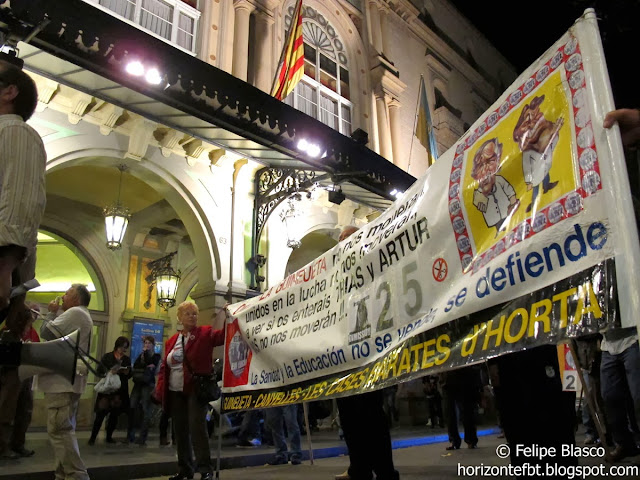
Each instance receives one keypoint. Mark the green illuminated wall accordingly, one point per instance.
(58, 265)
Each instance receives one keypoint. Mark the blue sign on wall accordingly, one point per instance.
(142, 329)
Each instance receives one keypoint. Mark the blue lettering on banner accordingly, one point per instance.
(518, 269)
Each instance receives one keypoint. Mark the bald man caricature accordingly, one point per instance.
(494, 197)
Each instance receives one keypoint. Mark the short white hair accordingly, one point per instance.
(186, 304)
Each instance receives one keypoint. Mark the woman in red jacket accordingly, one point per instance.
(188, 351)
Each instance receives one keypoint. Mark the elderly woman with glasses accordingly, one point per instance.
(188, 352)
(113, 404)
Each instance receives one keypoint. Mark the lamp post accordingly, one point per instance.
(116, 219)
(165, 279)
(289, 217)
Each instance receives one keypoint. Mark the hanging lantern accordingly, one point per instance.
(290, 217)
(116, 219)
(167, 280)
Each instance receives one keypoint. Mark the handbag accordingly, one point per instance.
(144, 375)
(205, 386)
(139, 376)
(109, 384)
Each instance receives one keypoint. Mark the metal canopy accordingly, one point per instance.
(87, 49)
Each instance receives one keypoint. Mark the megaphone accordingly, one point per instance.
(56, 356)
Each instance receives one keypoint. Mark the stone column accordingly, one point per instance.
(387, 87)
(264, 61)
(239, 206)
(396, 134)
(385, 34)
(375, 31)
(243, 11)
(210, 298)
(384, 135)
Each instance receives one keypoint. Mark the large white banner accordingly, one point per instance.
(506, 242)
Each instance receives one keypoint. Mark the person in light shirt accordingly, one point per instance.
(22, 180)
(61, 397)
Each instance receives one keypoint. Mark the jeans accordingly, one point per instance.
(619, 377)
(250, 427)
(61, 427)
(434, 407)
(587, 420)
(389, 405)
(140, 395)
(277, 417)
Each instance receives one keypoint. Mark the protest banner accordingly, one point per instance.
(516, 237)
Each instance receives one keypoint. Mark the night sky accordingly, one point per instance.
(524, 31)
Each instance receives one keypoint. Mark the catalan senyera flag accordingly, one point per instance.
(424, 127)
(292, 64)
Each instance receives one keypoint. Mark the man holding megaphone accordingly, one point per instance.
(60, 394)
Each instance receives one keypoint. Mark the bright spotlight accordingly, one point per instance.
(313, 150)
(135, 68)
(153, 76)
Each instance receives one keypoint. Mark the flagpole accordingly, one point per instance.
(284, 49)
(415, 121)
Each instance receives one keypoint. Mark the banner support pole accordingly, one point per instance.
(596, 414)
(224, 325)
(305, 410)
(219, 441)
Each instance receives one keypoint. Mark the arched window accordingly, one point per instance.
(61, 264)
(324, 92)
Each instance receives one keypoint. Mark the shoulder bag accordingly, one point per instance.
(205, 386)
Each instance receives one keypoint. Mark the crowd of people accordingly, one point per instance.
(525, 381)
